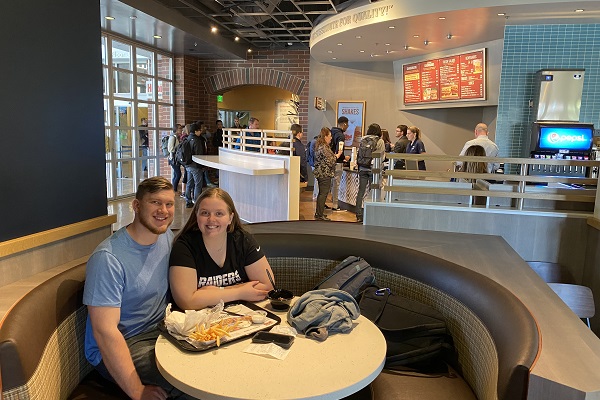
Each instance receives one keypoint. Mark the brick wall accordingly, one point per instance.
(199, 81)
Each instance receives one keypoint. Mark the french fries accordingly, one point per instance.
(215, 332)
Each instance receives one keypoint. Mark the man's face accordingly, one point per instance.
(299, 135)
(344, 126)
(219, 125)
(236, 121)
(155, 210)
(398, 132)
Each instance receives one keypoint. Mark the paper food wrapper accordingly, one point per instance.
(181, 325)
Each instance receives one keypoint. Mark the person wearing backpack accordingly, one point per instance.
(369, 144)
(194, 145)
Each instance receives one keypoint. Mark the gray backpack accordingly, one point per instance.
(352, 275)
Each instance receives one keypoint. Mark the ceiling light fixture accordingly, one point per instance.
(388, 51)
(415, 36)
(157, 37)
(339, 44)
(195, 44)
(361, 51)
(426, 42)
(449, 36)
(213, 29)
(501, 14)
(391, 27)
(333, 58)
(329, 51)
(237, 39)
(441, 18)
(580, 10)
(133, 17)
(108, 17)
(405, 47)
(249, 50)
(387, 44)
(359, 37)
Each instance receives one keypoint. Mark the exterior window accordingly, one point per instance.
(138, 111)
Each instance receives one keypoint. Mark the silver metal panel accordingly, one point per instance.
(560, 97)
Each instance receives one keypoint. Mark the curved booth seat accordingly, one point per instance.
(42, 336)
(495, 335)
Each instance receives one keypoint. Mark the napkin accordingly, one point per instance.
(180, 325)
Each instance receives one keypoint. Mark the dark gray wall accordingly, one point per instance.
(51, 115)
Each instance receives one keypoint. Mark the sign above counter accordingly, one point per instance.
(454, 78)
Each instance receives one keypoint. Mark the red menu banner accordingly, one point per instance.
(458, 77)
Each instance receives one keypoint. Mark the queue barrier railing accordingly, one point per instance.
(265, 141)
(518, 187)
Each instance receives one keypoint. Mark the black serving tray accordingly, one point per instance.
(183, 345)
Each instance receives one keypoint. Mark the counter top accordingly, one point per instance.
(242, 165)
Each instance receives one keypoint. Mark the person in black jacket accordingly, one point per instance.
(195, 171)
(338, 137)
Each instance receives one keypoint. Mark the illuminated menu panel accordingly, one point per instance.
(453, 78)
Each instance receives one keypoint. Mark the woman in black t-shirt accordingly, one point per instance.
(214, 258)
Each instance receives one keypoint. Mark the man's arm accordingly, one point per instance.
(116, 356)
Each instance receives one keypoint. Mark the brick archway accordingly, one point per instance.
(226, 80)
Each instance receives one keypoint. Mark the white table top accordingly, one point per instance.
(242, 165)
(341, 365)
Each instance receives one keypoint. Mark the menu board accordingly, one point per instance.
(453, 78)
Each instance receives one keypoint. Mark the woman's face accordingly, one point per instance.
(213, 216)
(410, 135)
(328, 138)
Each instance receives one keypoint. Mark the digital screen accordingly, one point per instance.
(573, 138)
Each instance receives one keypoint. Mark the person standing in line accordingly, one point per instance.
(195, 173)
(184, 135)
(310, 160)
(400, 145)
(365, 175)
(482, 139)
(217, 139)
(415, 145)
(172, 144)
(325, 161)
(300, 150)
(253, 123)
(123, 310)
(205, 169)
(337, 147)
(144, 143)
(385, 136)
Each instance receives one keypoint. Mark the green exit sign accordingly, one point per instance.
(219, 98)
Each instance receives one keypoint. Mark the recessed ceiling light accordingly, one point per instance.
(108, 17)
(415, 36)
(391, 27)
(237, 39)
(362, 51)
(441, 18)
(359, 37)
(449, 36)
(388, 51)
(333, 58)
(501, 14)
(329, 51)
(580, 10)
(157, 37)
(406, 47)
(249, 50)
(387, 44)
(339, 44)
(213, 29)
(426, 42)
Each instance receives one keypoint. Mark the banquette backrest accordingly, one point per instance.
(495, 335)
(41, 340)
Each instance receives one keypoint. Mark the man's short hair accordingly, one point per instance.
(403, 128)
(194, 127)
(252, 119)
(217, 121)
(342, 120)
(152, 185)
(296, 128)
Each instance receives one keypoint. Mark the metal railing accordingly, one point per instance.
(263, 141)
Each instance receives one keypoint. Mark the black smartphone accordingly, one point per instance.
(284, 341)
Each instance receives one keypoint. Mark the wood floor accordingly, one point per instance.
(122, 208)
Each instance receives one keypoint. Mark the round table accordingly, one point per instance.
(337, 367)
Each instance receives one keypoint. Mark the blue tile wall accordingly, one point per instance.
(529, 48)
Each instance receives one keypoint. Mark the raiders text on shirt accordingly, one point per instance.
(228, 279)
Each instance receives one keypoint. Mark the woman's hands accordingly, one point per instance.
(251, 291)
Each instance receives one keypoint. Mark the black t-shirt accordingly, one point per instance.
(242, 250)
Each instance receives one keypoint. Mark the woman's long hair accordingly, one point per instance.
(322, 135)
(192, 222)
(474, 166)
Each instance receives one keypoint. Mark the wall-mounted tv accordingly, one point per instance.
(573, 137)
